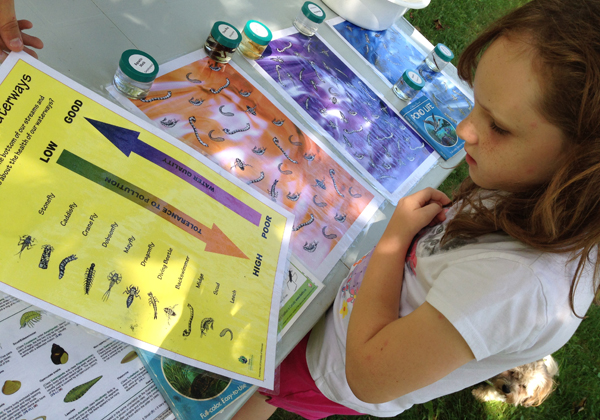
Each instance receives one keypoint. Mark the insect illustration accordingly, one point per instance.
(45, 256)
(113, 278)
(332, 125)
(215, 67)
(152, 300)
(90, 273)
(276, 141)
(306, 103)
(277, 59)
(131, 292)
(170, 311)
(187, 76)
(169, 123)
(293, 197)
(225, 331)
(162, 98)
(259, 150)
(357, 195)
(63, 265)
(292, 280)
(277, 122)
(221, 88)
(343, 117)
(80, 390)
(295, 143)
(332, 175)
(30, 318)
(314, 85)
(353, 131)
(192, 120)
(272, 192)
(359, 156)
(314, 66)
(284, 48)
(277, 68)
(340, 217)
(309, 156)
(260, 178)
(285, 172)
(312, 247)
(251, 110)
(301, 225)
(26, 242)
(320, 184)
(348, 141)
(188, 331)
(240, 164)
(205, 325)
(328, 236)
(318, 204)
(217, 139)
(228, 131)
(227, 114)
(245, 93)
(300, 75)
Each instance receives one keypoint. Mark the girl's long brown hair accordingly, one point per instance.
(562, 215)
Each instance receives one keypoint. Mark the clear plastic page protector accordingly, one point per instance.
(347, 111)
(219, 111)
(109, 222)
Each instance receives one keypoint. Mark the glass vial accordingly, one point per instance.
(408, 85)
(135, 74)
(222, 42)
(435, 61)
(255, 38)
(308, 20)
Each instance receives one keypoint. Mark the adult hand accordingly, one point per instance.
(11, 36)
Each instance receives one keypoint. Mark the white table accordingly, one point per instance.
(84, 40)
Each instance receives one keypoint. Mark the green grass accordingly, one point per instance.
(578, 393)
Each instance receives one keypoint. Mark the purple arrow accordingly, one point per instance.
(127, 142)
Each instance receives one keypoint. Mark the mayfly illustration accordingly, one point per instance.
(245, 93)
(240, 164)
(196, 102)
(276, 141)
(63, 265)
(113, 278)
(169, 123)
(221, 88)
(152, 300)
(162, 98)
(259, 150)
(301, 225)
(239, 130)
(26, 242)
(340, 217)
(192, 120)
(293, 197)
(90, 273)
(320, 184)
(205, 325)
(272, 191)
(45, 256)
(260, 178)
(309, 156)
(188, 331)
(170, 311)
(332, 175)
(251, 110)
(312, 247)
(131, 292)
(277, 122)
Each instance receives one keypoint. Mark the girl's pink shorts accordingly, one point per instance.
(298, 393)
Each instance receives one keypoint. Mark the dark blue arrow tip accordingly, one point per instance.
(124, 139)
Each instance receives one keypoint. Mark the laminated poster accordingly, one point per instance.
(348, 111)
(219, 111)
(111, 223)
(78, 375)
(391, 52)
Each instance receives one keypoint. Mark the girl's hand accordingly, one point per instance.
(416, 211)
(12, 37)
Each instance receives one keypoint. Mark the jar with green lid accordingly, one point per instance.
(408, 85)
(255, 38)
(135, 74)
(308, 20)
(222, 42)
(435, 62)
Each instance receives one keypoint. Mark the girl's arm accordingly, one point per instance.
(387, 356)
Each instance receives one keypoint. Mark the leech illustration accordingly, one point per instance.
(30, 318)
(251, 110)
(26, 242)
(332, 124)
(348, 141)
(245, 93)
(187, 76)
(188, 331)
(359, 156)
(312, 247)
(284, 48)
(353, 131)
(113, 278)
(312, 82)
(333, 92)
(309, 156)
(295, 143)
(272, 192)
(217, 139)
(420, 146)
(131, 292)
(306, 103)
(152, 301)
(369, 139)
(278, 123)
(318, 204)
(192, 120)
(45, 259)
(276, 141)
(169, 123)
(227, 114)
(386, 152)
(301, 225)
(326, 66)
(340, 218)
(320, 184)
(225, 331)
(230, 132)
(63, 265)
(314, 66)
(387, 137)
(259, 150)
(205, 325)
(289, 75)
(90, 273)
(161, 98)
(293, 197)
(240, 164)
(170, 311)
(277, 68)
(300, 75)
(286, 172)
(343, 117)
(332, 175)
(221, 88)
(196, 102)
(260, 178)
(357, 195)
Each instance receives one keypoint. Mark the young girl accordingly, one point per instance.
(450, 299)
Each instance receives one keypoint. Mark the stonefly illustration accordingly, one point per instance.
(26, 242)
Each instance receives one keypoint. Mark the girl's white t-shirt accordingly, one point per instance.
(509, 302)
